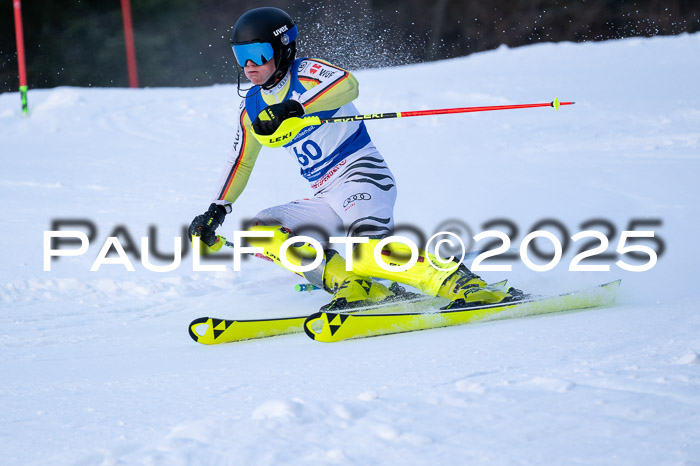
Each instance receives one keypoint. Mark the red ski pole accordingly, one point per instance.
(291, 126)
(443, 111)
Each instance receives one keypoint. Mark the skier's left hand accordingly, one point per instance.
(272, 117)
(205, 225)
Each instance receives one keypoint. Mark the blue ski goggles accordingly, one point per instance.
(260, 52)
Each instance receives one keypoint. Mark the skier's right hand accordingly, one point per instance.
(272, 117)
(205, 225)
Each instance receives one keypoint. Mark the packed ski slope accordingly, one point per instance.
(98, 367)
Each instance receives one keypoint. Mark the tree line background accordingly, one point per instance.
(186, 42)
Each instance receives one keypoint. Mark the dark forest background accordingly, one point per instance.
(186, 42)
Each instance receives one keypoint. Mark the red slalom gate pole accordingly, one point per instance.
(19, 36)
(129, 41)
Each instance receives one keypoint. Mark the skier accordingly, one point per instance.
(354, 190)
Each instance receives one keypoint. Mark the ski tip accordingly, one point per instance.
(611, 284)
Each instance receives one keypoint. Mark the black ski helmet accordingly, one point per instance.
(264, 33)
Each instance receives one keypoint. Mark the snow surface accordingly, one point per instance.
(98, 367)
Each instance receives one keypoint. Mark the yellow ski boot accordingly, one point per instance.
(349, 289)
(464, 288)
(460, 285)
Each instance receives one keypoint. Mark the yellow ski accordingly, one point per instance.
(332, 326)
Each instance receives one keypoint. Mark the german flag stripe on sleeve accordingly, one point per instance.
(328, 89)
(241, 154)
(309, 80)
(323, 76)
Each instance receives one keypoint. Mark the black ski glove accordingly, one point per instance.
(205, 225)
(272, 117)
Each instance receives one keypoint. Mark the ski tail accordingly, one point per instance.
(211, 331)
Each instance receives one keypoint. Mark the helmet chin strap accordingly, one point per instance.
(238, 88)
(276, 76)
